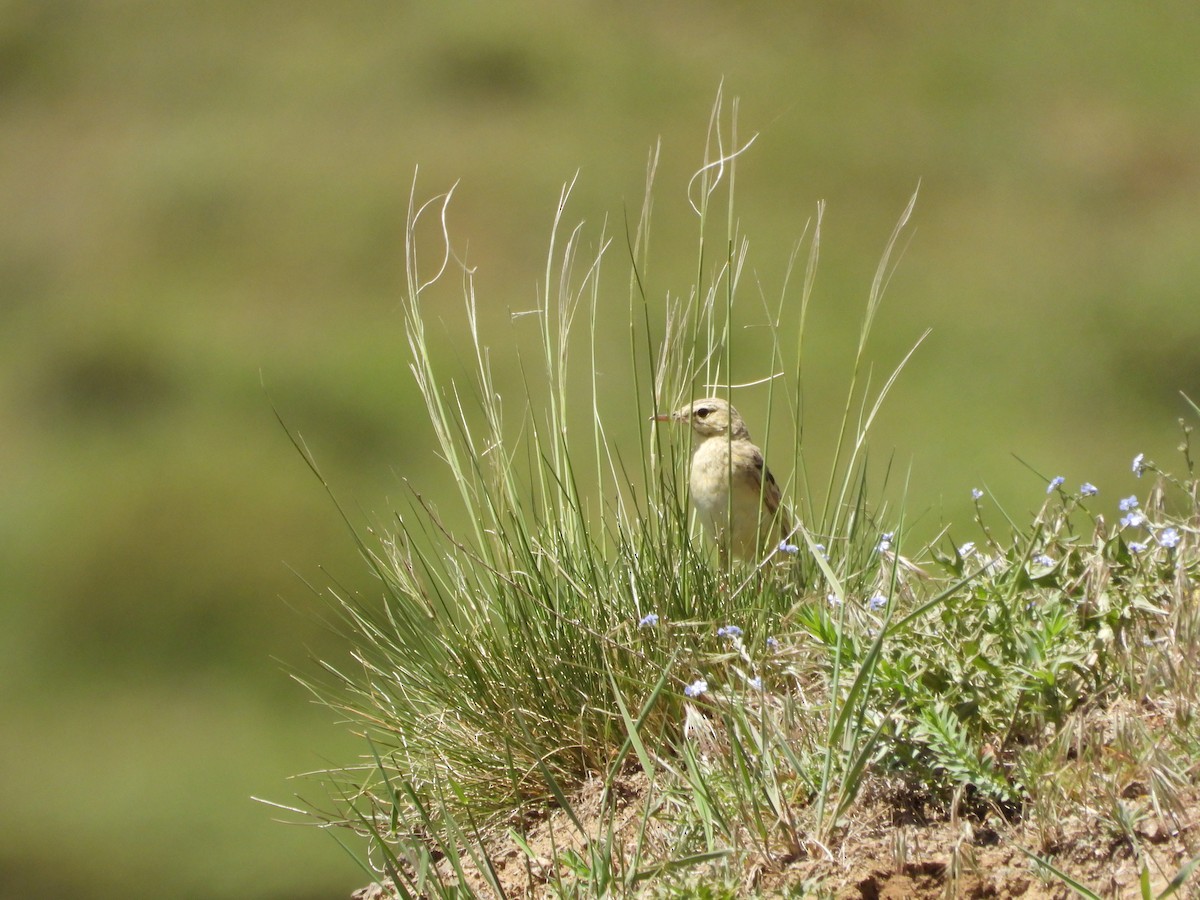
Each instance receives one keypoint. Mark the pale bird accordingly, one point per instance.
(732, 489)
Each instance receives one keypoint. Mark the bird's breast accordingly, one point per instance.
(709, 479)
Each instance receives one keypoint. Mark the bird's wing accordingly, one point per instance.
(773, 501)
(772, 495)
(748, 464)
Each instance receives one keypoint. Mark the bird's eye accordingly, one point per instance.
(702, 412)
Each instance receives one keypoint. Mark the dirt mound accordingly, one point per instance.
(885, 854)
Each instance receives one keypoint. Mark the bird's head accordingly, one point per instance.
(710, 417)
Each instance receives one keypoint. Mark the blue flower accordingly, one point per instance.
(1133, 520)
(885, 542)
(1043, 560)
(1139, 465)
(785, 547)
(877, 602)
(1055, 482)
(1168, 537)
(772, 644)
(696, 688)
(648, 621)
(1128, 503)
(976, 494)
(833, 599)
(1088, 489)
(729, 631)
(1136, 546)
(756, 683)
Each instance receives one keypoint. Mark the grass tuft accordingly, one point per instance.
(564, 691)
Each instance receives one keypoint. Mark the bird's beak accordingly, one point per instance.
(661, 417)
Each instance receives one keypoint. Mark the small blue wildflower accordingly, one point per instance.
(1055, 482)
(1136, 546)
(1128, 503)
(1133, 520)
(833, 600)
(1139, 464)
(966, 549)
(1168, 537)
(785, 547)
(885, 542)
(729, 631)
(772, 644)
(1087, 489)
(877, 602)
(756, 683)
(1043, 560)
(648, 621)
(696, 688)
(820, 548)
(976, 494)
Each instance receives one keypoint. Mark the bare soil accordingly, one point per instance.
(887, 853)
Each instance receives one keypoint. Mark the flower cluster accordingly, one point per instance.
(1167, 537)
(1133, 516)
(733, 633)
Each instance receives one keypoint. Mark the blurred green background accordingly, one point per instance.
(205, 197)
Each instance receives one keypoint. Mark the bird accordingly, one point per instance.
(735, 494)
